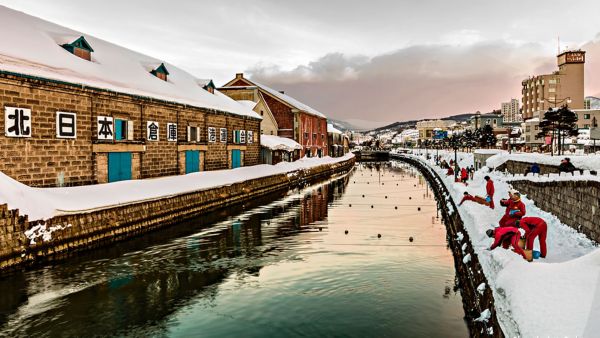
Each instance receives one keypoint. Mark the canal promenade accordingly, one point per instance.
(44, 223)
(555, 296)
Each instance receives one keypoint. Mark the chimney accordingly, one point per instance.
(239, 75)
(282, 92)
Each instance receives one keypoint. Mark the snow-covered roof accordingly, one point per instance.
(283, 97)
(279, 143)
(332, 129)
(248, 103)
(32, 46)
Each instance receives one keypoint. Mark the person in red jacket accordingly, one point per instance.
(450, 171)
(515, 209)
(534, 227)
(464, 175)
(506, 236)
(489, 190)
(469, 197)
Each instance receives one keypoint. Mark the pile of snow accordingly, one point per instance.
(279, 143)
(490, 151)
(589, 162)
(557, 296)
(44, 203)
(32, 46)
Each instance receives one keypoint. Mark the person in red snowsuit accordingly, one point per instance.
(534, 227)
(506, 236)
(476, 199)
(464, 175)
(515, 209)
(489, 190)
(450, 171)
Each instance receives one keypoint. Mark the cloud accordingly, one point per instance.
(419, 81)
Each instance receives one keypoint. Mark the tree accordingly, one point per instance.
(561, 123)
(487, 137)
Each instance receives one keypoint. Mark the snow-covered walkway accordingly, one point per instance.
(44, 203)
(558, 296)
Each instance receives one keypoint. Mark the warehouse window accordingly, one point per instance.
(160, 72)
(80, 48)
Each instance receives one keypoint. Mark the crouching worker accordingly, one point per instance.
(534, 227)
(515, 209)
(506, 236)
(476, 199)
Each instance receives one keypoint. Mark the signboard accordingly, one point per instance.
(152, 130)
(595, 133)
(440, 134)
(172, 132)
(105, 128)
(17, 122)
(66, 125)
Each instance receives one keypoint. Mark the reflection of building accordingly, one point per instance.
(564, 86)
(314, 206)
(510, 111)
(426, 128)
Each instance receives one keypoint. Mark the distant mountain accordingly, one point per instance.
(412, 123)
(343, 125)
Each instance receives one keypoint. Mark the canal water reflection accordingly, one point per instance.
(281, 266)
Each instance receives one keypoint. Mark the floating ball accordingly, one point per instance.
(396, 208)
(419, 209)
(378, 235)
(410, 239)
(346, 232)
(350, 205)
(363, 196)
(371, 207)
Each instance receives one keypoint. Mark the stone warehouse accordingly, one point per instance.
(79, 110)
(291, 118)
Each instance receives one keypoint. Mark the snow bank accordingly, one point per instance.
(557, 296)
(279, 143)
(44, 203)
(32, 46)
(490, 151)
(590, 161)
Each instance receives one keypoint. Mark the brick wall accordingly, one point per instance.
(45, 160)
(575, 203)
(89, 230)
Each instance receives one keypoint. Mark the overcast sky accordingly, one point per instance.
(366, 62)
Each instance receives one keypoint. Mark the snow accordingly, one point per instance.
(32, 46)
(42, 231)
(590, 161)
(44, 203)
(484, 316)
(248, 103)
(557, 296)
(490, 151)
(279, 143)
(481, 288)
(332, 129)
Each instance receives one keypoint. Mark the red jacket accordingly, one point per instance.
(464, 173)
(506, 236)
(515, 205)
(530, 223)
(489, 188)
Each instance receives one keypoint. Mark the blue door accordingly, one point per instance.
(119, 167)
(192, 161)
(236, 158)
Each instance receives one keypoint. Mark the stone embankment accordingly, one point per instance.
(468, 268)
(24, 242)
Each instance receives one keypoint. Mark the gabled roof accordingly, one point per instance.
(32, 47)
(80, 42)
(161, 69)
(280, 96)
(332, 129)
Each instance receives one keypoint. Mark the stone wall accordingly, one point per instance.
(101, 227)
(469, 274)
(518, 167)
(575, 203)
(44, 160)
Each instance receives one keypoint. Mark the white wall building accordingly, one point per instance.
(510, 111)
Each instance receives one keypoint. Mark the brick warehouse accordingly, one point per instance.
(79, 110)
(295, 120)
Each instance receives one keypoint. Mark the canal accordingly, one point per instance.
(334, 259)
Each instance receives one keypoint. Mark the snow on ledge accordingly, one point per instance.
(44, 203)
(279, 143)
(589, 162)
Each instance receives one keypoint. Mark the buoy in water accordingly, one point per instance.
(410, 239)
(396, 208)
(371, 207)
(378, 235)
(419, 209)
(350, 205)
(410, 198)
(346, 232)
(385, 196)
(363, 196)
(320, 229)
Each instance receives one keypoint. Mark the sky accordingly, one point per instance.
(365, 62)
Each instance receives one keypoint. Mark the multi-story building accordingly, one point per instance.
(294, 119)
(510, 111)
(587, 118)
(426, 128)
(591, 102)
(564, 86)
(80, 110)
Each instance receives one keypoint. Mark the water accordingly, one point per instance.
(279, 267)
